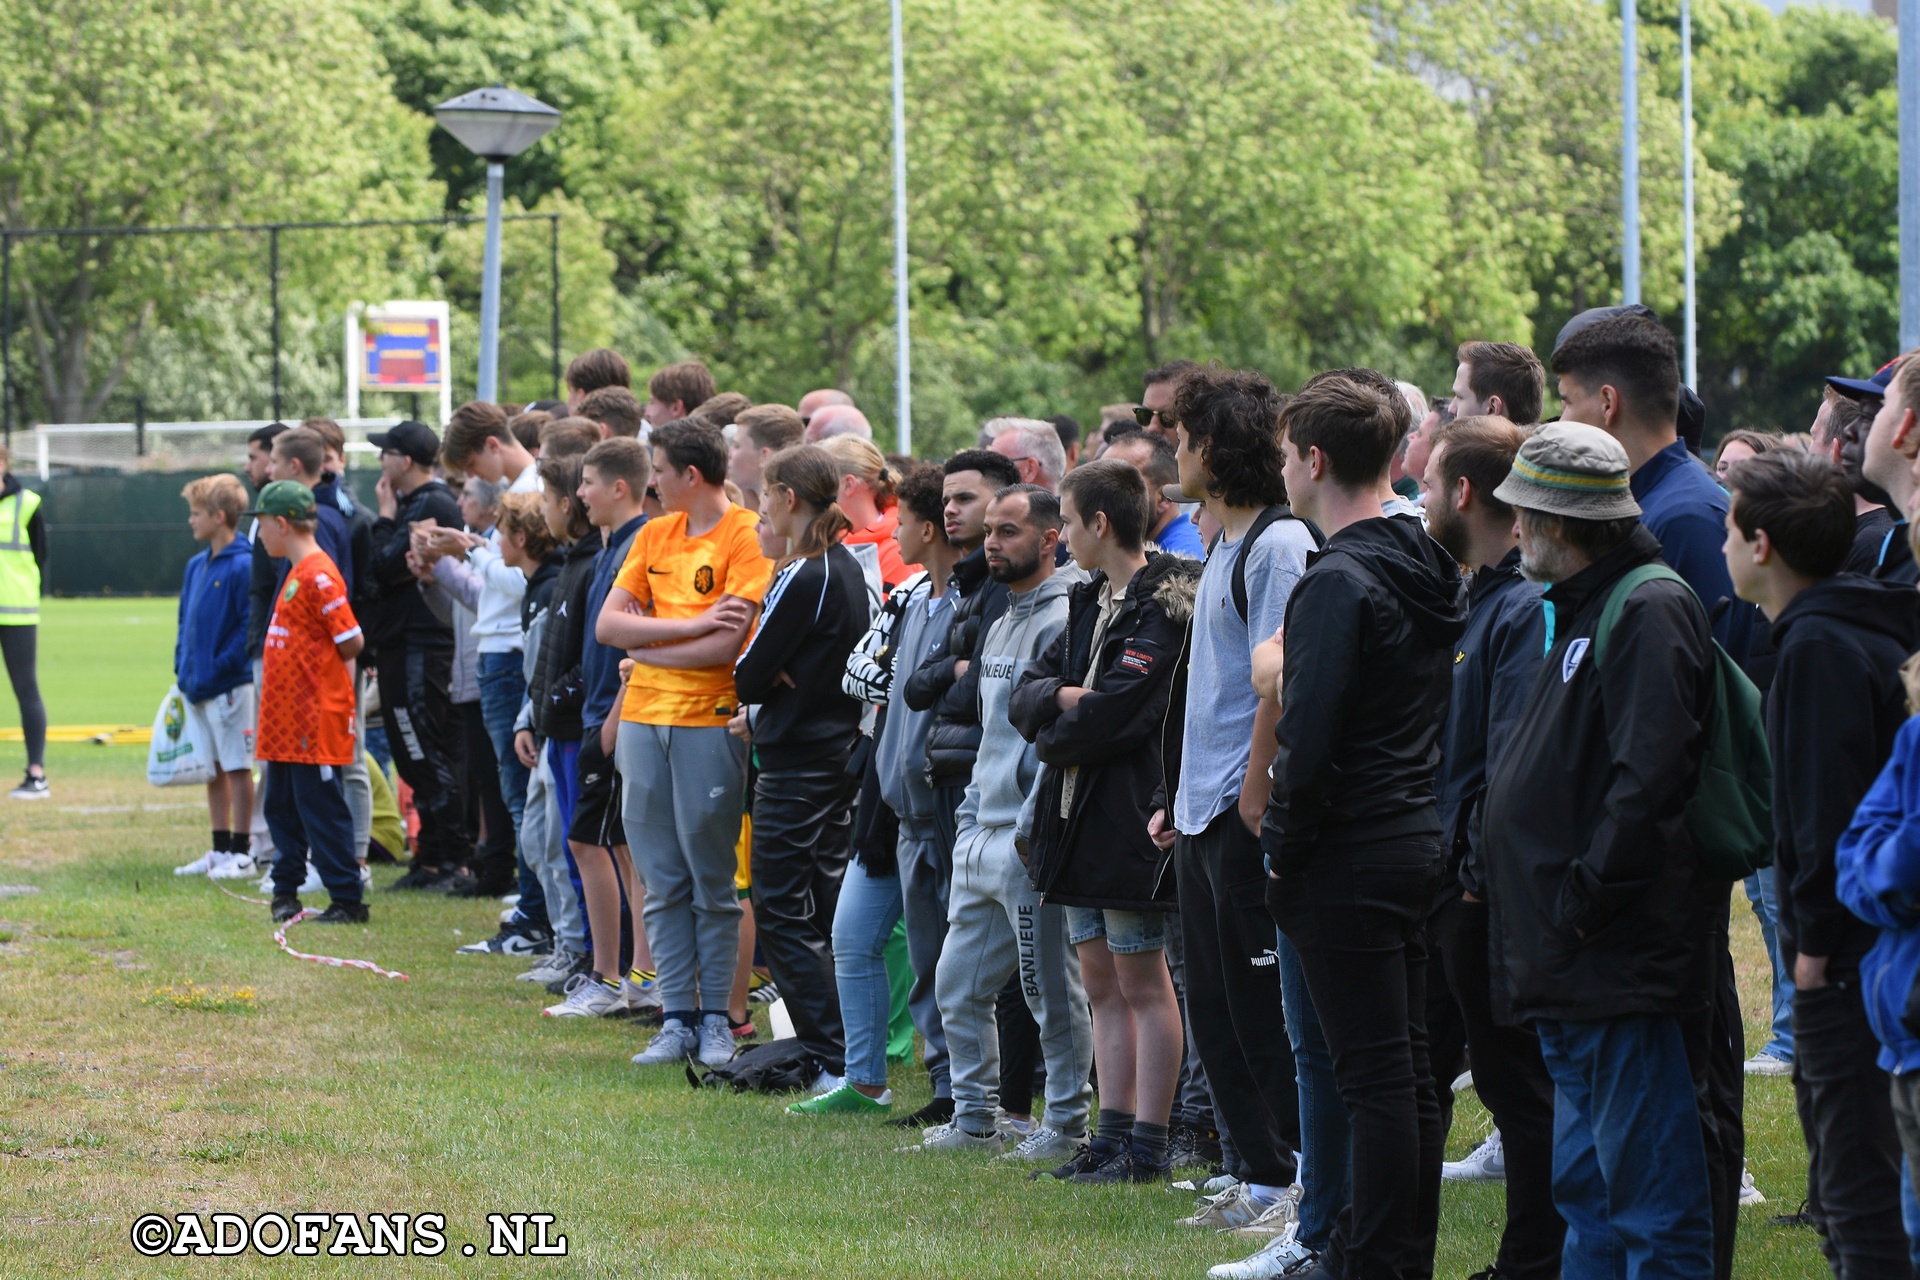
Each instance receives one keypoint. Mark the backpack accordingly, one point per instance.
(779, 1066)
(1261, 523)
(1730, 817)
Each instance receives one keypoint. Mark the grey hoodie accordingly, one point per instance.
(1006, 767)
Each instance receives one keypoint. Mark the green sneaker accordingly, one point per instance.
(846, 1099)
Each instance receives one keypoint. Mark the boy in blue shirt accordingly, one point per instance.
(211, 667)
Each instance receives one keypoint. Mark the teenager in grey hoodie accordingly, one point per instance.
(996, 924)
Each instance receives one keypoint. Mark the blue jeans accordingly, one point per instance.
(1629, 1163)
(863, 924)
(503, 688)
(1766, 909)
(1326, 1164)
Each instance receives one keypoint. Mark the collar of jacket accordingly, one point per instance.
(1489, 578)
(1570, 597)
(970, 571)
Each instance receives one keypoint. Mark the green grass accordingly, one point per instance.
(158, 1054)
(101, 662)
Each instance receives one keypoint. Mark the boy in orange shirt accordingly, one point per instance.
(306, 732)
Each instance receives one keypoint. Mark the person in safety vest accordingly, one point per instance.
(23, 555)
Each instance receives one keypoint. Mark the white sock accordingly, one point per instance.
(1265, 1194)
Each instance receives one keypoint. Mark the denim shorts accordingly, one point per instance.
(1127, 932)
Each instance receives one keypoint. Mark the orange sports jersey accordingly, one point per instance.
(675, 576)
(306, 697)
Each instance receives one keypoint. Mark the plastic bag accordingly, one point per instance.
(181, 754)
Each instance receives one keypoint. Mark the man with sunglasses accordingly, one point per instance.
(1157, 399)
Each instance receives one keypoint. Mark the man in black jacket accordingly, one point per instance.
(1351, 834)
(1494, 667)
(1832, 712)
(1594, 887)
(414, 653)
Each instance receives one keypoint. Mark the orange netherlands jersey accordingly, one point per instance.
(675, 576)
(306, 696)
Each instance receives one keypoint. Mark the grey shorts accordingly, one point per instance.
(1127, 932)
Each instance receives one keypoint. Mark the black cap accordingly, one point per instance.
(1865, 388)
(415, 439)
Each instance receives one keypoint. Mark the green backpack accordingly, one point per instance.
(1730, 817)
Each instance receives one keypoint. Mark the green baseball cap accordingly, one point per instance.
(287, 498)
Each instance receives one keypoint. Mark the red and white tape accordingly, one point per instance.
(280, 937)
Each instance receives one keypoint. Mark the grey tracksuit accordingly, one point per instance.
(996, 923)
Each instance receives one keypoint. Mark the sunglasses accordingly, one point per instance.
(1145, 416)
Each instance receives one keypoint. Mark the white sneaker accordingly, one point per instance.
(674, 1042)
(1749, 1194)
(641, 997)
(1207, 1187)
(1045, 1146)
(716, 1041)
(510, 901)
(1235, 1207)
(199, 866)
(1765, 1064)
(1284, 1216)
(506, 917)
(366, 876)
(1281, 1256)
(555, 964)
(231, 866)
(951, 1137)
(825, 1082)
(312, 884)
(1463, 1082)
(587, 997)
(1487, 1163)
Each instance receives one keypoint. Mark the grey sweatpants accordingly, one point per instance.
(543, 843)
(685, 790)
(996, 925)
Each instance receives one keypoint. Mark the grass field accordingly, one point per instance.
(157, 1054)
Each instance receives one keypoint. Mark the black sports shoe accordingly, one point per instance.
(558, 986)
(418, 877)
(1089, 1157)
(520, 938)
(285, 907)
(32, 787)
(939, 1111)
(343, 913)
(1189, 1146)
(1125, 1166)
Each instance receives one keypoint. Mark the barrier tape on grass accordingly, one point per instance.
(280, 937)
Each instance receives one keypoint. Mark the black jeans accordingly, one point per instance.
(1358, 918)
(426, 735)
(306, 811)
(802, 838)
(20, 648)
(1512, 1079)
(1023, 1071)
(1716, 1043)
(1233, 996)
(1853, 1148)
(492, 861)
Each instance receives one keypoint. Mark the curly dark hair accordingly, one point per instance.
(1232, 419)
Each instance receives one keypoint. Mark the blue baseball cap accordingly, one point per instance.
(1863, 388)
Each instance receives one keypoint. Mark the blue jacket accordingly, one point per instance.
(1182, 538)
(599, 663)
(210, 653)
(1877, 877)
(1682, 506)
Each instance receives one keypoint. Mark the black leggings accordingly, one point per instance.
(19, 646)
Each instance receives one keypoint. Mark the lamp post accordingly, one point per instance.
(903, 379)
(495, 124)
(1629, 153)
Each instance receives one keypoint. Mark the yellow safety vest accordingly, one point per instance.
(19, 572)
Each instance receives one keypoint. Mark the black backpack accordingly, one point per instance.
(781, 1066)
(1261, 523)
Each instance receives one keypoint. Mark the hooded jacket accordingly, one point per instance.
(1371, 628)
(401, 614)
(210, 655)
(1494, 666)
(954, 738)
(558, 689)
(1590, 872)
(1099, 855)
(1006, 765)
(816, 611)
(1879, 880)
(1835, 706)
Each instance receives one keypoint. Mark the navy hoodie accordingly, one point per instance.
(210, 653)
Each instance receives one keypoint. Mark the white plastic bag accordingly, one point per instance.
(181, 754)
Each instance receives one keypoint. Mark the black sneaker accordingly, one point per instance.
(418, 877)
(520, 938)
(32, 787)
(493, 886)
(1093, 1155)
(939, 1111)
(285, 907)
(558, 986)
(1125, 1166)
(1189, 1146)
(343, 913)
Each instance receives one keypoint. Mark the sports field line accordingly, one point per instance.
(128, 735)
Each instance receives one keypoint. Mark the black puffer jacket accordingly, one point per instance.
(1591, 877)
(559, 690)
(1099, 854)
(400, 612)
(954, 739)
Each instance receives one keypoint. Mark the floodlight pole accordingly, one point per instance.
(903, 392)
(1630, 154)
(1909, 79)
(1691, 346)
(490, 287)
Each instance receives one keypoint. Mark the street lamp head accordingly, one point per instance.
(496, 123)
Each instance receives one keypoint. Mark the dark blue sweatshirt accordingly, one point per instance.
(210, 653)
(600, 663)
(1686, 510)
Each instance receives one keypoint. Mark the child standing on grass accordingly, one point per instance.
(211, 667)
(306, 710)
